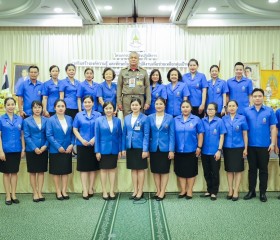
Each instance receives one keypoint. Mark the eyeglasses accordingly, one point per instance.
(210, 109)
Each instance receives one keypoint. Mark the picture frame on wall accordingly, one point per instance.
(253, 73)
(20, 74)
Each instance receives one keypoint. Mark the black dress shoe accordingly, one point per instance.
(205, 195)
(105, 198)
(16, 201)
(234, 199)
(229, 197)
(86, 197)
(8, 202)
(249, 195)
(188, 197)
(213, 198)
(59, 198)
(42, 199)
(181, 195)
(139, 198)
(279, 197)
(154, 197)
(36, 200)
(263, 197)
(90, 195)
(160, 198)
(65, 197)
(132, 197)
(112, 197)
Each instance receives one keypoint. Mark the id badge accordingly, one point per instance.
(139, 83)
(137, 128)
(132, 82)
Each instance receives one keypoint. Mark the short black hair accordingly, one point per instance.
(258, 90)
(59, 100)
(214, 66)
(239, 64)
(174, 69)
(69, 65)
(33, 66)
(108, 69)
(108, 103)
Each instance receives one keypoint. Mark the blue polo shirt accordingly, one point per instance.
(51, 90)
(158, 91)
(85, 125)
(195, 86)
(186, 133)
(235, 128)
(278, 126)
(240, 92)
(109, 94)
(175, 97)
(212, 133)
(29, 93)
(11, 133)
(259, 123)
(215, 92)
(85, 89)
(70, 92)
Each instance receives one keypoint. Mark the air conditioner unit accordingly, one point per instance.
(183, 10)
(87, 10)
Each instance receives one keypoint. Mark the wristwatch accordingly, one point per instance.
(220, 150)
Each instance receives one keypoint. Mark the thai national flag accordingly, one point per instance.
(5, 81)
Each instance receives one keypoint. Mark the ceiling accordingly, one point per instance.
(187, 12)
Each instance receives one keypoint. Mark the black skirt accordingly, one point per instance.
(71, 112)
(108, 161)
(134, 159)
(86, 159)
(60, 163)
(233, 158)
(186, 165)
(160, 163)
(37, 163)
(11, 165)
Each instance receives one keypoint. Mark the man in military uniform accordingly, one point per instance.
(133, 82)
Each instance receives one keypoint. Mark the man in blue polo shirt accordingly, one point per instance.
(29, 91)
(261, 142)
(240, 88)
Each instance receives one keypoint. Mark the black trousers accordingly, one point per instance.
(211, 169)
(195, 112)
(258, 158)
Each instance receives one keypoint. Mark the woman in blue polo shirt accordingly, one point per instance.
(188, 143)
(107, 91)
(211, 150)
(197, 85)
(217, 90)
(11, 149)
(36, 146)
(177, 91)
(135, 140)
(161, 146)
(157, 90)
(61, 139)
(88, 87)
(235, 148)
(108, 147)
(68, 90)
(83, 128)
(51, 92)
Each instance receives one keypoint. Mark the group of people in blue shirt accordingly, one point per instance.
(183, 123)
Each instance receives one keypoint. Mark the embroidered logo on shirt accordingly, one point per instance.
(178, 93)
(218, 90)
(191, 125)
(157, 94)
(237, 128)
(215, 131)
(243, 88)
(264, 121)
(197, 85)
(39, 92)
(19, 126)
